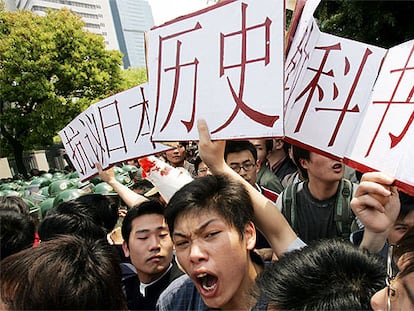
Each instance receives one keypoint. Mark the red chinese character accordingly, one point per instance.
(111, 110)
(395, 139)
(257, 116)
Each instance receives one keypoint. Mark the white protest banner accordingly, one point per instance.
(223, 64)
(115, 129)
(386, 135)
(325, 101)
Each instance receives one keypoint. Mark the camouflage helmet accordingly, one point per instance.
(67, 195)
(104, 189)
(58, 186)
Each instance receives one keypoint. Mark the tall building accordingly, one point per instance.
(95, 13)
(122, 23)
(132, 18)
(9, 5)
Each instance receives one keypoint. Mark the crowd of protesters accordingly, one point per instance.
(262, 225)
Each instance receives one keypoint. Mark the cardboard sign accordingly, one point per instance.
(222, 64)
(115, 129)
(385, 134)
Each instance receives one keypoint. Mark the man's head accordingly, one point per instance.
(147, 240)
(71, 218)
(263, 148)
(405, 220)
(176, 157)
(17, 232)
(201, 168)
(68, 273)
(241, 156)
(328, 275)
(316, 166)
(210, 220)
(103, 210)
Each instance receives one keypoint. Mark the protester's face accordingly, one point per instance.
(400, 227)
(150, 246)
(214, 255)
(323, 168)
(176, 156)
(401, 295)
(260, 145)
(203, 170)
(244, 157)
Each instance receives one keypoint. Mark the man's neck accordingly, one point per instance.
(275, 158)
(321, 190)
(243, 298)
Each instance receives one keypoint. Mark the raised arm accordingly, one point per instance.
(268, 218)
(130, 197)
(368, 207)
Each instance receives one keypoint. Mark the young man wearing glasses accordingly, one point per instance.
(241, 156)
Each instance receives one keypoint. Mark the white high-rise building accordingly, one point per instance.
(132, 18)
(95, 13)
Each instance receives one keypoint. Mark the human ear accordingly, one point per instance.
(250, 235)
(125, 249)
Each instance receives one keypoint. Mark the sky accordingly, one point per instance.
(165, 10)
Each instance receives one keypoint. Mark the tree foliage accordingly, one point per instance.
(133, 76)
(50, 70)
(381, 23)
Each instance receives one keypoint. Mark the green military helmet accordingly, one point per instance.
(118, 170)
(58, 186)
(129, 168)
(41, 181)
(72, 175)
(67, 195)
(96, 180)
(47, 175)
(45, 206)
(104, 189)
(58, 175)
(10, 193)
(124, 179)
(8, 186)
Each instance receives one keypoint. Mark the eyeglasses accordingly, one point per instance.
(390, 275)
(246, 166)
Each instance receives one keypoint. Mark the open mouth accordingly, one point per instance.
(207, 281)
(337, 166)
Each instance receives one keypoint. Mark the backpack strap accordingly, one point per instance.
(343, 213)
(289, 204)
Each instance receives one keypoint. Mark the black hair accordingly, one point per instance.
(71, 218)
(145, 208)
(298, 154)
(17, 232)
(327, 275)
(67, 273)
(233, 146)
(102, 210)
(407, 204)
(217, 193)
